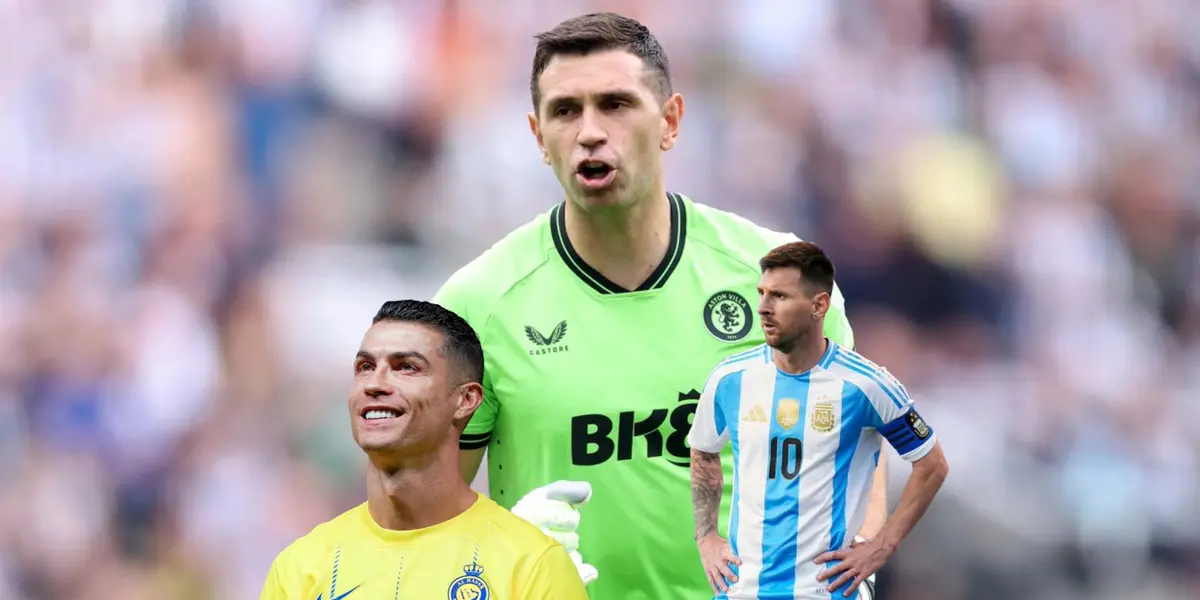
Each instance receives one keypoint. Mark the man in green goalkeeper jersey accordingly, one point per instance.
(602, 318)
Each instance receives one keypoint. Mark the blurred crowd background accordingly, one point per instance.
(203, 202)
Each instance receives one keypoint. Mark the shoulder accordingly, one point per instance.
(733, 235)
(474, 288)
(871, 379)
(741, 362)
(521, 536)
(311, 548)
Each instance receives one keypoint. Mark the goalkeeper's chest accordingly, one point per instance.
(600, 368)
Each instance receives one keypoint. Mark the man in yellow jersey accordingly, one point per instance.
(423, 532)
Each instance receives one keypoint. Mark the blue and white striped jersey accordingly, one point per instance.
(805, 449)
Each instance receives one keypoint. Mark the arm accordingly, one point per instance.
(707, 484)
(928, 474)
(553, 577)
(708, 436)
(898, 421)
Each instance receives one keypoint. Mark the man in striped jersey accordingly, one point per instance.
(805, 416)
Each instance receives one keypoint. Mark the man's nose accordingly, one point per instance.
(377, 386)
(592, 131)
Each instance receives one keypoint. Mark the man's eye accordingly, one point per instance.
(363, 367)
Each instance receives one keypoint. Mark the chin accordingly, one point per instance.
(379, 441)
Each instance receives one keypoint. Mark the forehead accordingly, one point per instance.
(570, 75)
(386, 337)
(780, 277)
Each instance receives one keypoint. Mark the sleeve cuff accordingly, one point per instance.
(920, 451)
(474, 441)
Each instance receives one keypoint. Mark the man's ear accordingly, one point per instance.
(821, 304)
(536, 129)
(672, 117)
(470, 397)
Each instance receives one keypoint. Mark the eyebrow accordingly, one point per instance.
(613, 94)
(401, 354)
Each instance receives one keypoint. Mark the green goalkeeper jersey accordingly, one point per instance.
(588, 381)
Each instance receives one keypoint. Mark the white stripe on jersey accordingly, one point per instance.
(816, 486)
(750, 483)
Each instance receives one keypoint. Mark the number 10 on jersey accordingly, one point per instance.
(786, 456)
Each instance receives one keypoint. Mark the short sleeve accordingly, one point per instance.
(710, 430)
(456, 297)
(897, 418)
(553, 577)
(279, 580)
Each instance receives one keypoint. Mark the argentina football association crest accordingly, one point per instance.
(728, 316)
(470, 586)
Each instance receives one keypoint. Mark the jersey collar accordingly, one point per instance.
(600, 283)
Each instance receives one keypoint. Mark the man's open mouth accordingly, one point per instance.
(594, 170)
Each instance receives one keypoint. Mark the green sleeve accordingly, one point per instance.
(837, 325)
(457, 296)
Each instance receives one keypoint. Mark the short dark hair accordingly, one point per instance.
(816, 270)
(597, 32)
(461, 346)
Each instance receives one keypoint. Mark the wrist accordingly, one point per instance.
(888, 540)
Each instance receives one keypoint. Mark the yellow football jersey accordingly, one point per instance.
(486, 553)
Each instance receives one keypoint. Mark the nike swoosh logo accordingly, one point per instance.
(342, 596)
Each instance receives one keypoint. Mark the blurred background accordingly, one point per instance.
(203, 202)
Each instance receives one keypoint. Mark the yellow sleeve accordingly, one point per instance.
(553, 577)
(278, 580)
(456, 296)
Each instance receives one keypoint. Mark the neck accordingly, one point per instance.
(803, 355)
(624, 244)
(416, 493)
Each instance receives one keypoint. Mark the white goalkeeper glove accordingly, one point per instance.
(552, 508)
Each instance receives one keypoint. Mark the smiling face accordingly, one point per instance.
(407, 398)
(601, 126)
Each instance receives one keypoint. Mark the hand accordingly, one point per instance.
(553, 508)
(858, 563)
(718, 559)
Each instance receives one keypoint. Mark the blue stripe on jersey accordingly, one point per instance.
(734, 389)
(781, 502)
(847, 446)
(883, 380)
(729, 390)
(843, 360)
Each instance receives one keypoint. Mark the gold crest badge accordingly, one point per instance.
(788, 413)
(822, 417)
